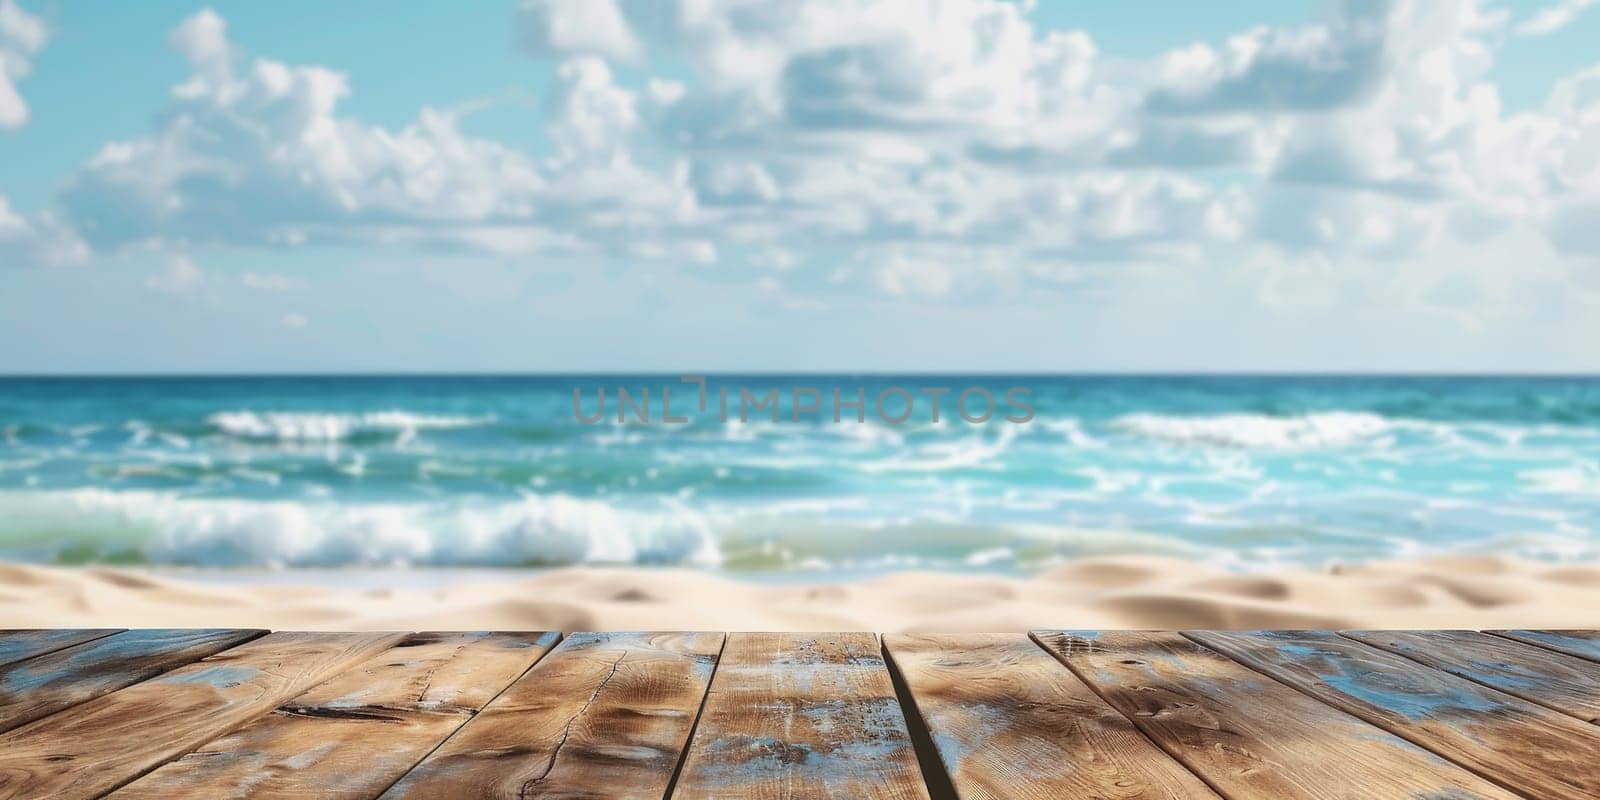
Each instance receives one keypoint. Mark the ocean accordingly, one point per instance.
(497, 471)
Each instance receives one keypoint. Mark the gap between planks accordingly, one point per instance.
(1576, 643)
(560, 637)
(1033, 636)
(694, 726)
(1560, 682)
(603, 712)
(935, 774)
(1457, 726)
(1245, 732)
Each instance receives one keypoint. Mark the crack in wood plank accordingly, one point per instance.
(566, 731)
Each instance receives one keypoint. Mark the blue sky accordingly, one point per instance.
(818, 185)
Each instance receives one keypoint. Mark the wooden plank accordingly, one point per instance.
(1009, 721)
(46, 684)
(96, 746)
(1512, 742)
(355, 735)
(1583, 644)
(16, 645)
(604, 715)
(801, 715)
(1247, 735)
(1555, 680)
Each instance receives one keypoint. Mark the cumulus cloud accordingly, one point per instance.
(901, 275)
(1554, 17)
(590, 27)
(590, 116)
(1572, 160)
(36, 239)
(1324, 66)
(181, 276)
(22, 36)
(255, 151)
(859, 127)
(914, 148)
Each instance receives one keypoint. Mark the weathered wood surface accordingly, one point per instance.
(355, 735)
(16, 645)
(94, 747)
(604, 715)
(1011, 722)
(1246, 734)
(1583, 644)
(46, 684)
(1512, 742)
(1565, 683)
(1243, 715)
(794, 715)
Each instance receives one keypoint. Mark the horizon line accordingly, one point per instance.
(381, 374)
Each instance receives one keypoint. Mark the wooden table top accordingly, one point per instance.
(1055, 714)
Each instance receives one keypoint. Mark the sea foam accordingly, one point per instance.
(331, 427)
(1329, 429)
(163, 528)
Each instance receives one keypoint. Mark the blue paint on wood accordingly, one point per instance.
(222, 676)
(1366, 677)
(17, 645)
(1400, 695)
(1574, 642)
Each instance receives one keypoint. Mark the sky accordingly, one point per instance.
(811, 185)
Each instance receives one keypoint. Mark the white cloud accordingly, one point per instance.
(22, 37)
(1373, 133)
(1330, 65)
(294, 320)
(857, 125)
(590, 27)
(1554, 17)
(589, 115)
(1572, 159)
(254, 151)
(910, 147)
(182, 276)
(36, 239)
(903, 276)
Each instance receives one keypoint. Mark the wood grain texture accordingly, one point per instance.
(794, 715)
(46, 684)
(1555, 680)
(356, 734)
(1512, 742)
(1246, 734)
(1009, 721)
(1583, 644)
(605, 715)
(16, 645)
(98, 745)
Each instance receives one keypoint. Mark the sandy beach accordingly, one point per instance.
(1463, 592)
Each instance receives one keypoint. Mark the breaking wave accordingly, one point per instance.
(1321, 430)
(161, 528)
(287, 426)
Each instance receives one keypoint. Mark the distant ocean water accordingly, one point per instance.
(495, 471)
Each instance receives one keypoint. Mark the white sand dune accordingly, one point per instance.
(1472, 592)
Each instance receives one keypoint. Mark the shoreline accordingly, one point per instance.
(1110, 592)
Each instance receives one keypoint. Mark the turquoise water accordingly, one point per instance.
(496, 471)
